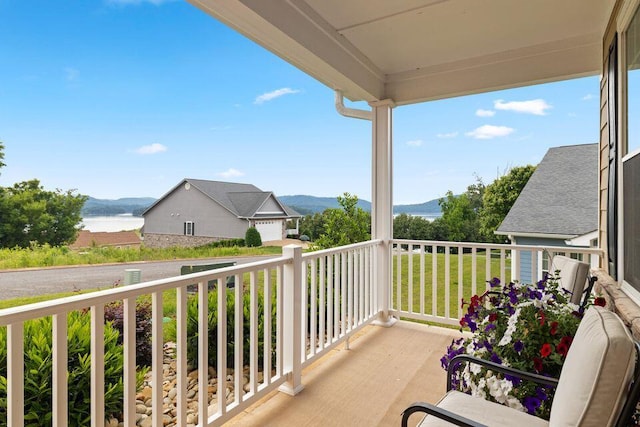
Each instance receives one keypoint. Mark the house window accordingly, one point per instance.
(189, 228)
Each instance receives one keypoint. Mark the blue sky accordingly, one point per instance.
(124, 98)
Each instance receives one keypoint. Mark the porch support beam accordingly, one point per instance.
(382, 204)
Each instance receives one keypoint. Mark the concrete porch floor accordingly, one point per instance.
(384, 371)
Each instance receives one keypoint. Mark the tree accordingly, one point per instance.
(351, 224)
(31, 214)
(2, 164)
(312, 225)
(499, 197)
(412, 228)
(460, 214)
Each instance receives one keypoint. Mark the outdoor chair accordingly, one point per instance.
(574, 277)
(598, 385)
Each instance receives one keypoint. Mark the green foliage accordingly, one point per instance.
(313, 225)
(31, 215)
(38, 361)
(192, 327)
(460, 214)
(2, 164)
(499, 197)
(114, 313)
(45, 255)
(252, 237)
(412, 228)
(351, 224)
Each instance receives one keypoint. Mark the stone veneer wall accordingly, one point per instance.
(169, 240)
(618, 301)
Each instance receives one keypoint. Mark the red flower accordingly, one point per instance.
(542, 317)
(463, 322)
(545, 350)
(563, 346)
(600, 301)
(493, 317)
(554, 328)
(537, 364)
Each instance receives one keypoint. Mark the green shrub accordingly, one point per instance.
(252, 237)
(192, 328)
(38, 359)
(114, 313)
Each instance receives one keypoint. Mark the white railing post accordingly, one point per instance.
(15, 374)
(292, 320)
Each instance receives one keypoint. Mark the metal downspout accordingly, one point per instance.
(351, 112)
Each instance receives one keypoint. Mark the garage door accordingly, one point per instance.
(269, 230)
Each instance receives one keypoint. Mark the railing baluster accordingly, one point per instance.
(330, 291)
(410, 278)
(488, 274)
(268, 346)
(460, 280)
(350, 295)
(157, 357)
(314, 308)
(399, 277)
(279, 327)
(97, 365)
(15, 373)
(503, 276)
(515, 264)
(181, 356)
(336, 297)
(238, 334)
(447, 281)
(434, 280)
(129, 341)
(203, 347)
(60, 369)
(422, 273)
(323, 308)
(474, 273)
(343, 294)
(254, 338)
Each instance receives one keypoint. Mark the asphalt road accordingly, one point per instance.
(28, 282)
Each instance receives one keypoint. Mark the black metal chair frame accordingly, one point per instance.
(623, 420)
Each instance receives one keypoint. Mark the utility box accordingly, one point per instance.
(188, 269)
(132, 276)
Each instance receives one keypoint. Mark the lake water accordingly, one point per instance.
(112, 223)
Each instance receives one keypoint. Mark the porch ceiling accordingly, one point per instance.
(417, 50)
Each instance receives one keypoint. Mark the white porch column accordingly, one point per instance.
(382, 204)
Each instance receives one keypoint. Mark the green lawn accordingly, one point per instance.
(459, 287)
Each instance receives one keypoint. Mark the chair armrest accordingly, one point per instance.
(443, 414)
(456, 361)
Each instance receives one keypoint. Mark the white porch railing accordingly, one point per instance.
(318, 300)
(430, 278)
(314, 301)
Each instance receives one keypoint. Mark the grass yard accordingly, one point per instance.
(409, 291)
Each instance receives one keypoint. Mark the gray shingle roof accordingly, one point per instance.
(561, 196)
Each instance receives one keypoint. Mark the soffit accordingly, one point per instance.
(416, 50)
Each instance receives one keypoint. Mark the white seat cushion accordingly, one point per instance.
(482, 411)
(596, 374)
(573, 275)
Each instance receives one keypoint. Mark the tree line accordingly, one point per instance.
(472, 216)
(31, 215)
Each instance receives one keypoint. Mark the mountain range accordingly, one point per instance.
(303, 204)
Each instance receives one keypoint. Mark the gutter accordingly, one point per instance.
(351, 112)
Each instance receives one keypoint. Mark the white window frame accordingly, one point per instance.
(625, 16)
(188, 228)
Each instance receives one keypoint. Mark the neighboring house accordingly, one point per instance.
(120, 239)
(196, 212)
(558, 206)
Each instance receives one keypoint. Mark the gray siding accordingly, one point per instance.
(270, 205)
(210, 219)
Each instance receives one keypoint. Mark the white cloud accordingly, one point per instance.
(537, 107)
(587, 97)
(447, 135)
(151, 149)
(415, 143)
(490, 132)
(137, 2)
(261, 99)
(230, 173)
(485, 113)
(71, 73)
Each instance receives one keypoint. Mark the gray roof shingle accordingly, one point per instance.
(561, 196)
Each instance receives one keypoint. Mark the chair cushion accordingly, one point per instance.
(483, 411)
(573, 275)
(596, 374)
